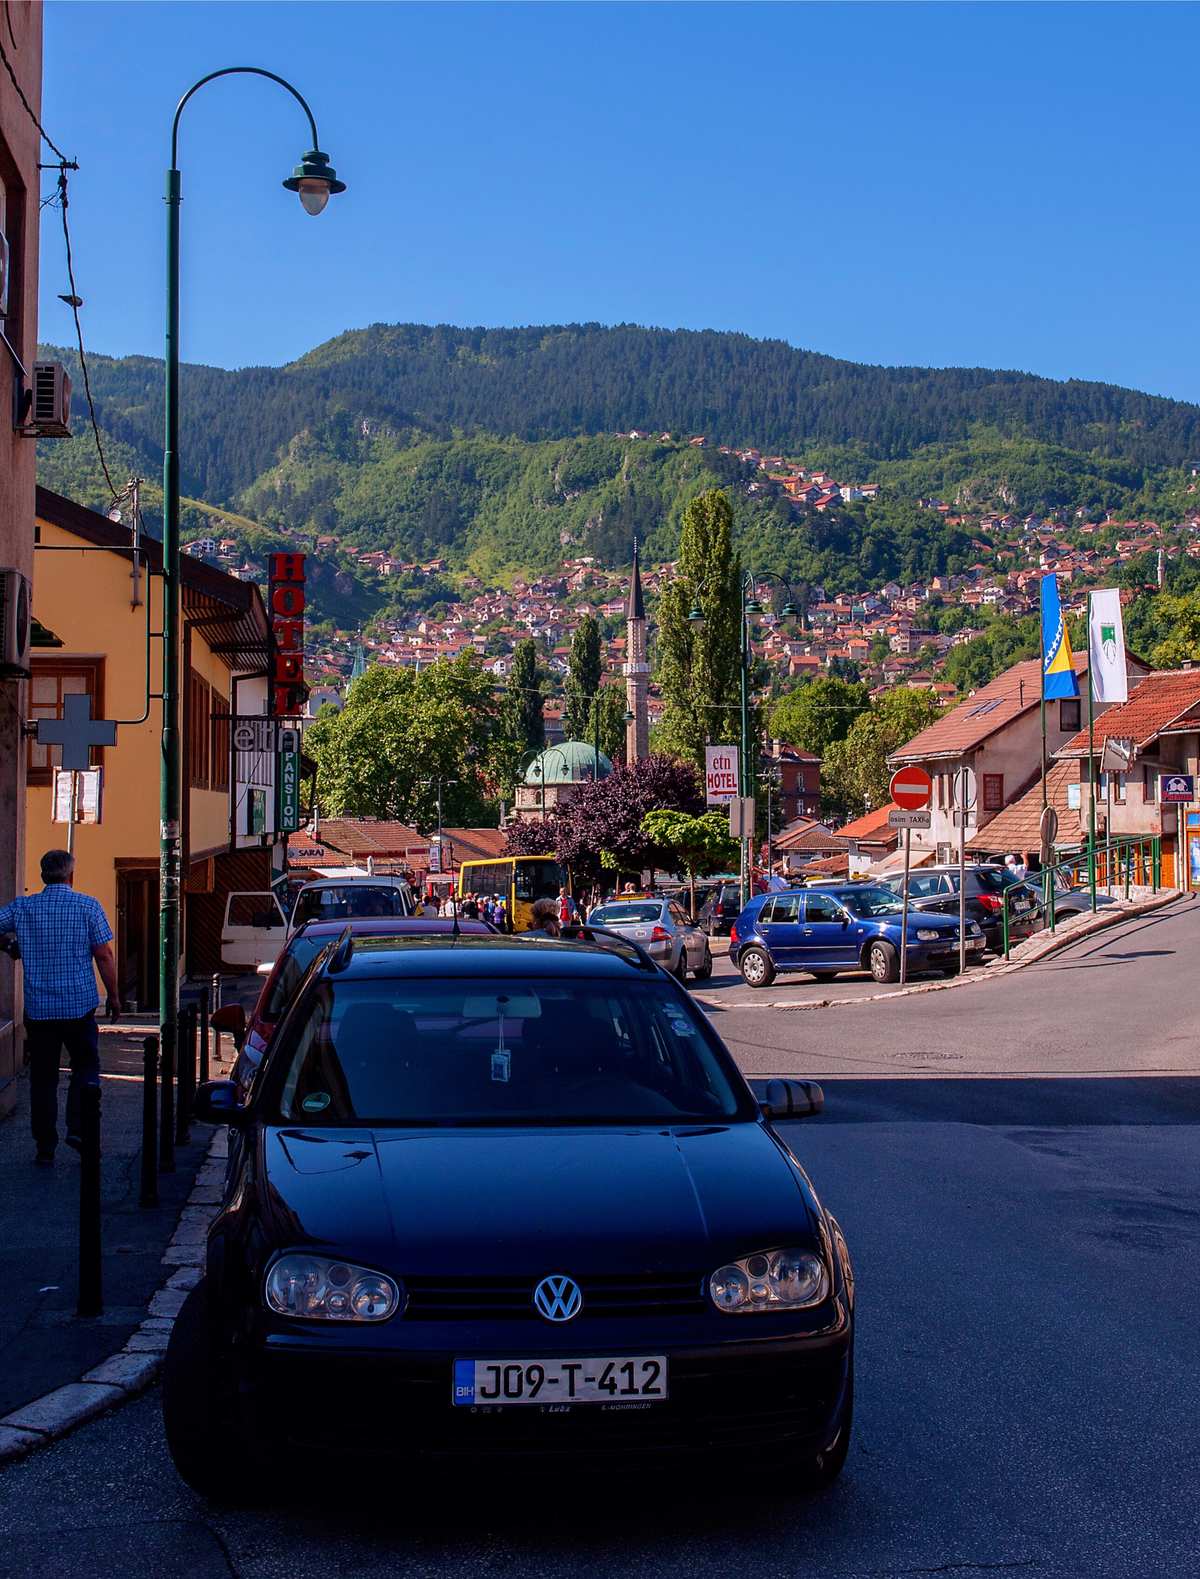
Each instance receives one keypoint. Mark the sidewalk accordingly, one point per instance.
(43, 1345)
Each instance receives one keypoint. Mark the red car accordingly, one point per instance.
(253, 1033)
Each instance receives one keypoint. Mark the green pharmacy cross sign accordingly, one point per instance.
(288, 781)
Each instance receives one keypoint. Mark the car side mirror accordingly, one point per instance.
(216, 1102)
(232, 1018)
(792, 1099)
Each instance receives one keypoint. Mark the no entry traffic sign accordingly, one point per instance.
(911, 788)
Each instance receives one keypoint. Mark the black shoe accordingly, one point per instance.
(44, 1158)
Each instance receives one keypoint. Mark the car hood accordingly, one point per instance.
(517, 1201)
(926, 919)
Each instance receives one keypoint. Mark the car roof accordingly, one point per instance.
(529, 957)
(364, 880)
(389, 926)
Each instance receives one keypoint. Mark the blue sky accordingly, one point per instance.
(988, 185)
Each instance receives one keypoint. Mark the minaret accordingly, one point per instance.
(637, 670)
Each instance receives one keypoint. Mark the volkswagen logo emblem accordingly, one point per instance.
(558, 1298)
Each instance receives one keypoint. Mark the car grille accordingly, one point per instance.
(492, 1299)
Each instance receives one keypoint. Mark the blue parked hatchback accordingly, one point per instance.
(839, 927)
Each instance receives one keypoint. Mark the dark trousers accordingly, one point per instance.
(44, 1040)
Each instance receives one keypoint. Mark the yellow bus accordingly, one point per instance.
(519, 880)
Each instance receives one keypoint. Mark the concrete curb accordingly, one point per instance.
(1061, 939)
(134, 1368)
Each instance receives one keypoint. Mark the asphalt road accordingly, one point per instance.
(1027, 1252)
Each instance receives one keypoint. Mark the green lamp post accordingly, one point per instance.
(314, 180)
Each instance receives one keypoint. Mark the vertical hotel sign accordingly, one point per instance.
(286, 594)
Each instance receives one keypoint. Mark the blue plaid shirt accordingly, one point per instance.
(57, 931)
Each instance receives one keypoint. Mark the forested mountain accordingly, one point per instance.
(556, 381)
(499, 450)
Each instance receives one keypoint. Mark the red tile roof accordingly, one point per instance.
(1018, 826)
(874, 825)
(992, 707)
(1155, 703)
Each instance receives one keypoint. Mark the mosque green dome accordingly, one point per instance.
(574, 762)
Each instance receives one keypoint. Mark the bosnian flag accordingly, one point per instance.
(1106, 647)
(1058, 663)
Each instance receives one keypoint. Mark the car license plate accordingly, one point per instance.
(620, 1379)
(974, 943)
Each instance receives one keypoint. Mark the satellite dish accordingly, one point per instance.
(115, 515)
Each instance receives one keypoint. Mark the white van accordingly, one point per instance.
(256, 928)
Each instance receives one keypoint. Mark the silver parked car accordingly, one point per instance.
(662, 928)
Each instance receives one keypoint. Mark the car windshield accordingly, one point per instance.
(872, 902)
(994, 879)
(626, 915)
(354, 900)
(473, 1052)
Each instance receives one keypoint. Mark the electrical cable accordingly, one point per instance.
(74, 305)
(45, 135)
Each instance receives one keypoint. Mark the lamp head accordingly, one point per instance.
(314, 180)
(628, 716)
(789, 610)
(753, 606)
(696, 615)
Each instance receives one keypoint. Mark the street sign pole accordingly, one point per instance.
(904, 909)
(962, 875)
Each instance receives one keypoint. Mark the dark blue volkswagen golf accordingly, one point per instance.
(839, 927)
(508, 1195)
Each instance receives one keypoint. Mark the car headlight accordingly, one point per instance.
(320, 1290)
(778, 1280)
(975, 929)
(927, 934)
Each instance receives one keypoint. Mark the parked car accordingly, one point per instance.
(1070, 899)
(255, 927)
(841, 927)
(252, 1032)
(720, 909)
(515, 1195)
(935, 888)
(662, 928)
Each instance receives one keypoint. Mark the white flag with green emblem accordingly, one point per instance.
(1106, 647)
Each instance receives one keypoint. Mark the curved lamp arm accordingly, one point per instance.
(233, 71)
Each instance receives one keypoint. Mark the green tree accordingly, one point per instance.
(583, 678)
(1177, 620)
(399, 731)
(701, 844)
(525, 698)
(699, 666)
(610, 705)
(817, 713)
(855, 772)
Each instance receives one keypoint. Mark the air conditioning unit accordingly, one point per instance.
(50, 413)
(15, 609)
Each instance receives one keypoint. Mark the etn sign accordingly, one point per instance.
(721, 784)
(286, 595)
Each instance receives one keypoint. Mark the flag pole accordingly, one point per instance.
(1091, 762)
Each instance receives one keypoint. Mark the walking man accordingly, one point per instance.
(60, 934)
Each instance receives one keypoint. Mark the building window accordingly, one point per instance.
(1149, 783)
(1068, 715)
(1116, 782)
(993, 791)
(196, 766)
(220, 742)
(54, 679)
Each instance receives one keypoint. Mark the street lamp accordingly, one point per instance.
(750, 605)
(314, 180)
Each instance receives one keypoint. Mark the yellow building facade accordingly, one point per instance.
(102, 604)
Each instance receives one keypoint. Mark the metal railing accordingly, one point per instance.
(1128, 860)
